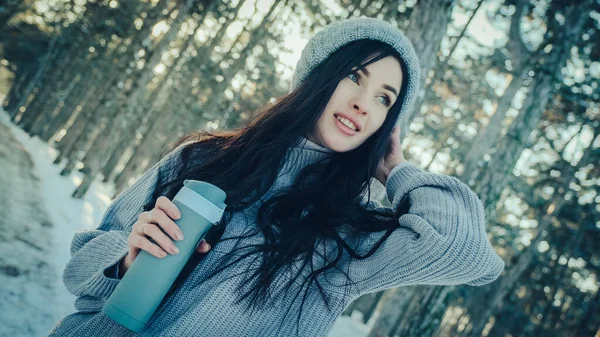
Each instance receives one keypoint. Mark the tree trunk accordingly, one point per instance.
(394, 306)
(125, 131)
(374, 303)
(139, 87)
(425, 313)
(428, 25)
(27, 109)
(259, 33)
(129, 124)
(62, 86)
(522, 60)
(112, 64)
(510, 148)
(490, 136)
(34, 82)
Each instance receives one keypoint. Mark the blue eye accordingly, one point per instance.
(385, 101)
(354, 78)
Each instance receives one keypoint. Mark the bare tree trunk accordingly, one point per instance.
(488, 137)
(34, 82)
(124, 126)
(428, 25)
(365, 304)
(139, 87)
(128, 129)
(440, 66)
(499, 289)
(142, 156)
(115, 119)
(395, 304)
(510, 148)
(549, 316)
(77, 87)
(425, 313)
(497, 292)
(77, 101)
(484, 302)
(28, 109)
(94, 122)
(260, 32)
(374, 303)
(522, 60)
(106, 102)
(104, 74)
(62, 87)
(440, 144)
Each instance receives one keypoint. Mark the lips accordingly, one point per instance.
(343, 128)
(356, 124)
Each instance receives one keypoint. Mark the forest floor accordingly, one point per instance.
(38, 218)
(32, 298)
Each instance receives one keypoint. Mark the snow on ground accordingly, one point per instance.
(38, 218)
(28, 280)
(37, 228)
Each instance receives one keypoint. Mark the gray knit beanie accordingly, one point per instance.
(340, 33)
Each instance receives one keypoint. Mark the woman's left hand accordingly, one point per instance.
(393, 157)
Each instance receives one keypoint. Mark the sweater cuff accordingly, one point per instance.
(398, 176)
(87, 272)
(113, 271)
(110, 275)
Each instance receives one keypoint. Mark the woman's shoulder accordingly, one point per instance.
(187, 148)
(200, 143)
(192, 150)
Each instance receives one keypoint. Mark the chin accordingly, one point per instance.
(339, 145)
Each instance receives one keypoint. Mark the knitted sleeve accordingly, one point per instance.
(440, 241)
(94, 253)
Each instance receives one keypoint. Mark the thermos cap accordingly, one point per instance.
(194, 194)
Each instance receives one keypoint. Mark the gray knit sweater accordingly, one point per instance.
(441, 241)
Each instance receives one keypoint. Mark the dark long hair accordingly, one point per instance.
(245, 163)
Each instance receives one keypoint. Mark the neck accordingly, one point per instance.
(303, 153)
(307, 143)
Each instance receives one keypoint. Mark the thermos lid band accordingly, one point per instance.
(200, 204)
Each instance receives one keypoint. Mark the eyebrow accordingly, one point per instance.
(385, 86)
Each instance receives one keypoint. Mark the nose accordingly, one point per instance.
(360, 103)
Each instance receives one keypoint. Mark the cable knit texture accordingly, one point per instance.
(442, 241)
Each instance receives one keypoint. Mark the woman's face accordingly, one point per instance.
(359, 105)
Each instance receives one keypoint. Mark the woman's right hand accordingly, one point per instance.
(147, 226)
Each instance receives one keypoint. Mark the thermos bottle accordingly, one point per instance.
(149, 278)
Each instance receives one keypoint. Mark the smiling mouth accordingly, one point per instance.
(347, 123)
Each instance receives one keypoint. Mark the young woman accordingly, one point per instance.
(301, 237)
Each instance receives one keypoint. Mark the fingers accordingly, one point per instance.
(155, 231)
(160, 217)
(203, 247)
(141, 242)
(159, 237)
(168, 207)
(394, 154)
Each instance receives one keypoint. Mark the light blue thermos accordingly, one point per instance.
(149, 278)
